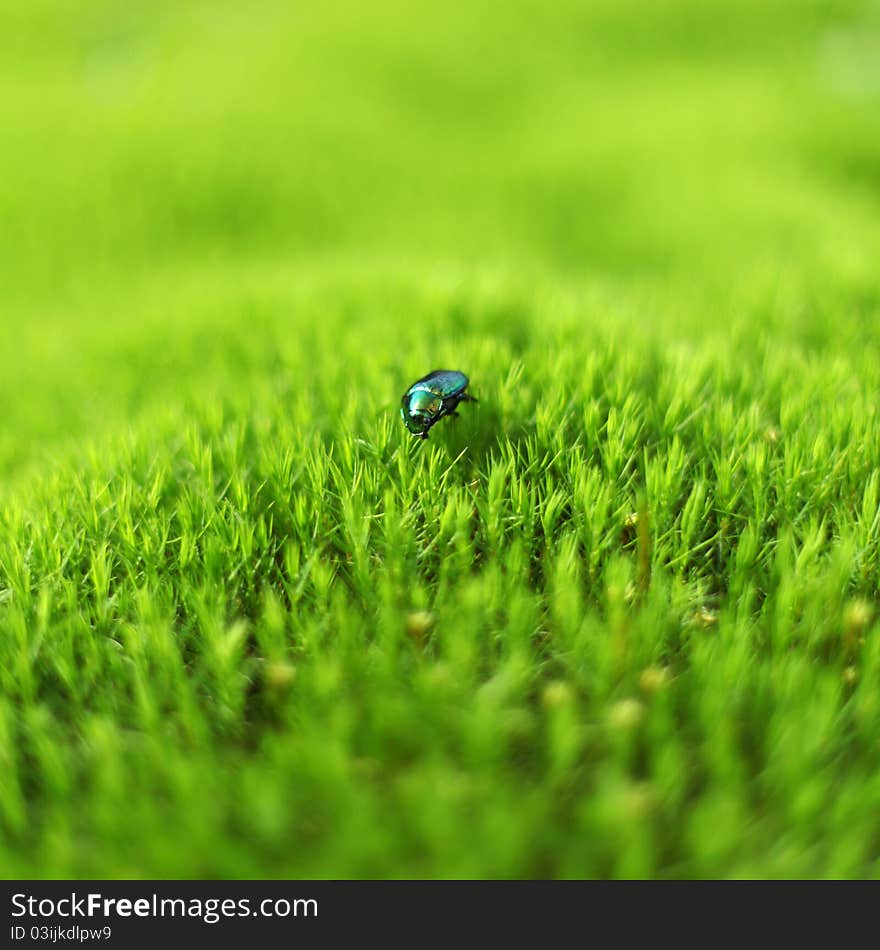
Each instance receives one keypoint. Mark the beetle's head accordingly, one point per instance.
(420, 410)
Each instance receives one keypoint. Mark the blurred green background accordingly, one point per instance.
(231, 234)
(160, 159)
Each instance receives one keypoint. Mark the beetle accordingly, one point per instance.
(431, 398)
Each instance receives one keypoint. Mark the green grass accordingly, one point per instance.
(620, 618)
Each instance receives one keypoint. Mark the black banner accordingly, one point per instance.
(319, 913)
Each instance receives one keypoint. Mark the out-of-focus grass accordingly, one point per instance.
(617, 619)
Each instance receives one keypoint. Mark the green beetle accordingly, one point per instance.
(431, 398)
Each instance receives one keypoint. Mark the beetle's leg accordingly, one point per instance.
(466, 398)
(425, 434)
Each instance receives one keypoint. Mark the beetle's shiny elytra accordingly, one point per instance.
(431, 398)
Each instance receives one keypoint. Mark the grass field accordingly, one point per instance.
(620, 618)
